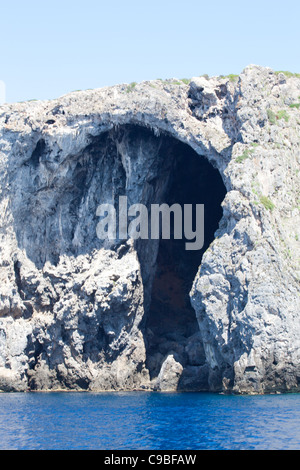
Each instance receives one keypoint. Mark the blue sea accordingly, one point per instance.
(154, 421)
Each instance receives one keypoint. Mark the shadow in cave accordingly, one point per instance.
(171, 323)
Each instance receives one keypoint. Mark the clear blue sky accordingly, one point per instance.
(51, 48)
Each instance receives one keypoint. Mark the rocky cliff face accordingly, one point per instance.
(80, 313)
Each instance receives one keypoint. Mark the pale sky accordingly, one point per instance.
(51, 48)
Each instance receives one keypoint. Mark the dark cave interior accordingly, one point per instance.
(171, 318)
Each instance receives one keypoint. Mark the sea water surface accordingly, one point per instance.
(142, 420)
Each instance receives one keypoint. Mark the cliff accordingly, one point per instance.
(81, 313)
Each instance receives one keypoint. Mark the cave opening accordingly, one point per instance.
(149, 168)
(170, 320)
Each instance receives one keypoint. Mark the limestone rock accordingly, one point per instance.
(169, 375)
(73, 308)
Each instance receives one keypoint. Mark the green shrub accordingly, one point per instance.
(130, 87)
(295, 105)
(232, 77)
(244, 156)
(283, 115)
(271, 116)
(288, 74)
(267, 203)
(247, 153)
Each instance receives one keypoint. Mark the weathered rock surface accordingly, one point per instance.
(73, 308)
